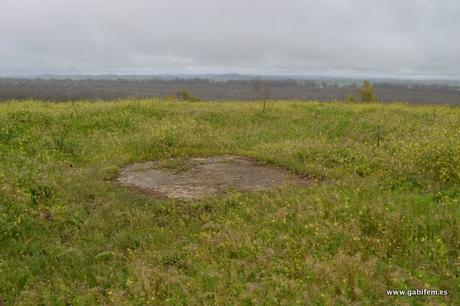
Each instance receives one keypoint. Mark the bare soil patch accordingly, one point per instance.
(198, 178)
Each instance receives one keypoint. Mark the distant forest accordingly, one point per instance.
(108, 89)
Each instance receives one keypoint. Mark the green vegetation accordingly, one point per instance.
(374, 217)
(185, 95)
(367, 93)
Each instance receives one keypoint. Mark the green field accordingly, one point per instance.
(382, 210)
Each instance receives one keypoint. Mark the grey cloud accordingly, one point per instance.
(418, 37)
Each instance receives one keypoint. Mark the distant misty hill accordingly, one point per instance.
(221, 87)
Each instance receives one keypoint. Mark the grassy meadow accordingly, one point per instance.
(382, 210)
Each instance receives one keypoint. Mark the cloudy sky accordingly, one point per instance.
(322, 37)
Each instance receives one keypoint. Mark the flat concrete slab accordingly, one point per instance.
(198, 178)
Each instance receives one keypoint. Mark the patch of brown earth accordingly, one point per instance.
(198, 178)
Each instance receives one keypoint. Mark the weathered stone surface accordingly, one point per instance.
(198, 178)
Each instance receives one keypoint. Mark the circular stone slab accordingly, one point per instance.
(198, 178)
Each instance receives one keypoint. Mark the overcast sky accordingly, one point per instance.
(328, 37)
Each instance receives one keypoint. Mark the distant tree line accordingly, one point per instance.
(203, 89)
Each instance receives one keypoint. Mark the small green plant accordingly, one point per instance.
(262, 90)
(185, 95)
(367, 93)
(39, 193)
(63, 143)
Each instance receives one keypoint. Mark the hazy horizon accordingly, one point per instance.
(242, 76)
